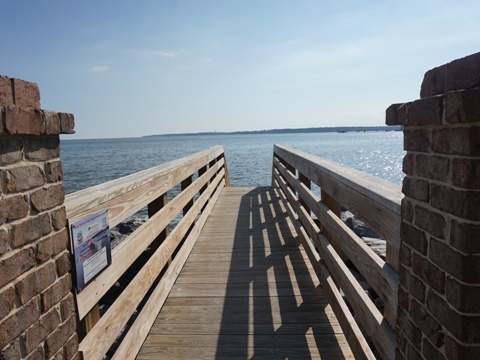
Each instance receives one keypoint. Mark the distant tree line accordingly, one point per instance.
(341, 129)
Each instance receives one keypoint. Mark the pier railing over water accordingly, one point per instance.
(200, 177)
(329, 242)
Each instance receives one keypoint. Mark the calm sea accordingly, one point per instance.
(249, 157)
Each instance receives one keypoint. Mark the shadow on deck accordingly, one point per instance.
(247, 291)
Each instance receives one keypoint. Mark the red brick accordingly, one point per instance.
(432, 167)
(456, 350)
(412, 353)
(67, 307)
(433, 82)
(6, 96)
(399, 355)
(71, 347)
(67, 123)
(413, 237)
(426, 323)
(462, 203)
(463, 106)
(23, 121)
(11, 150)
(42, 148)
(463, 297)
(12, 352)
(60, 336)
(26, 94)
(52, 245)
(55, 293)
(406, 255)
(7, 301)
(463, 73)
(58, 355)
(37, 354)
(47, 197)
(64, 264)
(409, 164)
(464, 327)
(459, 74)
(403, 299)
(396, 114)
(465, 268)
(465, 237)
(430, 352)
(23, 178)
(4, 241)
(466, 173)
(14, 325)
(411, 331)
(2, 121)
(417, 189)
(30, 229)
(430, 221)
(59, 218)
(429, 273)
(402, 342)
(13, 208)
(52, 122)
(456, 141)
(407, 210)
(438, 307)
(35, 282)
(41, 329)
(53, 171)
(427, 111)
(15, 264)
(416, 140)
(412, 284)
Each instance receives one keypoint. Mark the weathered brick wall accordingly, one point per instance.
(439, 296)
(37, 310)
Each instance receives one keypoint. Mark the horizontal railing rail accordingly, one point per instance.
(329, 242)
(200, 177)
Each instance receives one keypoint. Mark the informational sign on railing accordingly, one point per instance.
(91, 247)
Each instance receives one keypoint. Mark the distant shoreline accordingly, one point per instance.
(340, 129)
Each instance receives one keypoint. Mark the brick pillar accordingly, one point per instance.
(439, 296)
(37, 310)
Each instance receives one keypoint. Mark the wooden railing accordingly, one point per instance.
(200, 177)
(329, 242)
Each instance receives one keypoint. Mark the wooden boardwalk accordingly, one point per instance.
(247, 291)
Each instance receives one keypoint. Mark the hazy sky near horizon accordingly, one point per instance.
(134, 68)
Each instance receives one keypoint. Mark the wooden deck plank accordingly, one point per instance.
(247, 291)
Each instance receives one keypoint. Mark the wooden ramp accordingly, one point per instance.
(247, 291)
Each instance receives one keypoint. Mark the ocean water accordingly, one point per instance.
(249, 157)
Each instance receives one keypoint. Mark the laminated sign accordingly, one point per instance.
(91, 247)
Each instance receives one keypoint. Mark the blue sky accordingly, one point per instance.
(134, 68)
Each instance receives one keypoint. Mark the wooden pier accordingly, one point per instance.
(246, 273)
(247, 291)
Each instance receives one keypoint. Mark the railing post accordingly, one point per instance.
(37, 307)
(438, 300)
(152, 208)
(306, 181)
(184, 184)
(227, 175)
(336, 208)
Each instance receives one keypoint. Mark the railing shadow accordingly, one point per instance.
(274, 307)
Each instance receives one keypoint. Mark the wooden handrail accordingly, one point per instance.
(124, 197)
(372, 200)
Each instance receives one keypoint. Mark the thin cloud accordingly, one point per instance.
(100, 68)
(154, 54)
